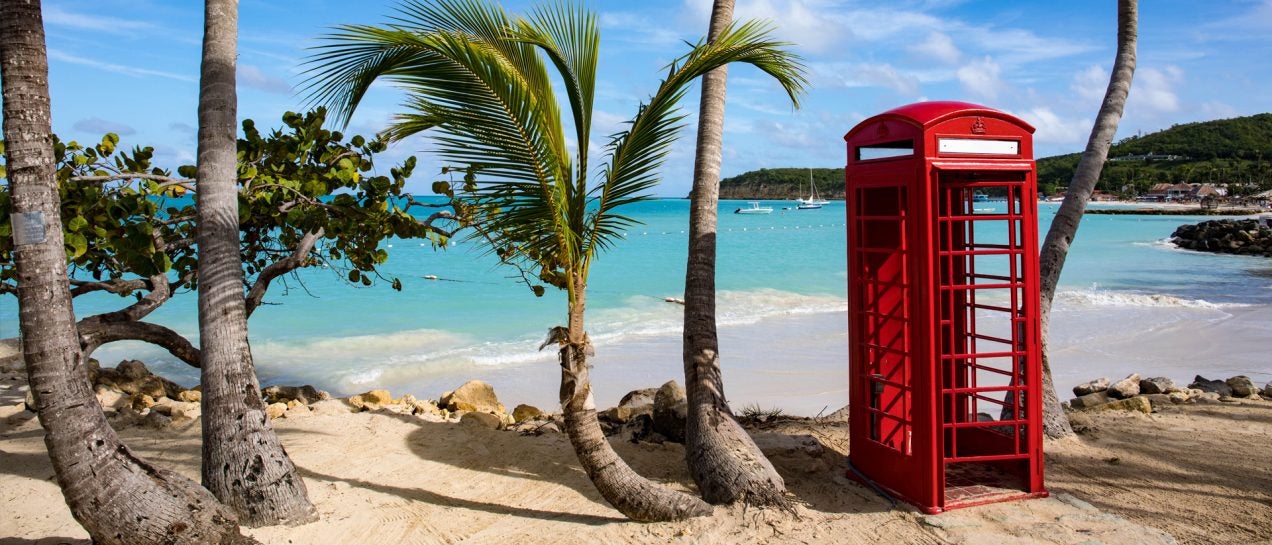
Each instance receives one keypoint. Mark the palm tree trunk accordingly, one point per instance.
(724, 461)
(633, 495)
(117, 497)
(244, 464)
(1065, 225)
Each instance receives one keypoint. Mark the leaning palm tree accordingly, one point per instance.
(478, 79)
(724, 461)
(1055, 248)
(118, 497)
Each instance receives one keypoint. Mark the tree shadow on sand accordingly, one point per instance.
(426, 496)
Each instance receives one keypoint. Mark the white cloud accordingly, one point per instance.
(885, 75)
(638, 28)
(810, 24)
(1154, 90)
(981, 78)
(1218, 110)
(1053, 129)
(58, 55)
(784, 134)
(56, 16)
(1090, 83)
(252, 77)
(99, 126)
(939, 46)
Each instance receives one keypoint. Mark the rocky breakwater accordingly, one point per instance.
(1148, 395)
(1227, 236)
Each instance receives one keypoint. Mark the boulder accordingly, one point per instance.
(305, 394)
(1178, 397)
(1090, 400)
(525, 412)
(275, 410)
(1267, 391)
(1127, 387)
(110, 399)
(176, 410)
(473, 395)
(418, 407)
(132, 369)
(671, 409)
(1209, 397)
(635, 403)
(481, 419)
(1137, 403)
(1211, 386)
(1242, 386)
(142, 401)
(29, 402)
(131, 377)
(372, 400)
(1092, 387)
(190, 396)
(1158, 400)
(1157, 385)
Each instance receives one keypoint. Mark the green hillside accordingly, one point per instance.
(1234, 151)
(783, 184)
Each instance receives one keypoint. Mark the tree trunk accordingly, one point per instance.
(633, 495)
(118, 498)
(1065, 225)
(722, 458)
(244, 464)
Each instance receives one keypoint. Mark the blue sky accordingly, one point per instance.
(132, 67)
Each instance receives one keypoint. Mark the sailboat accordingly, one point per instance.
(813, 201)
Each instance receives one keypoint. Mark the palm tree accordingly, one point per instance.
(477, 78)
(724, 461)
(1065, 225)
(244, 464)
(117, 497)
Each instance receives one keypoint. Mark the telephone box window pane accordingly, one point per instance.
(887, 150)
(978, 146)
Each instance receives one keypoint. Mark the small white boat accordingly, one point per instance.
(813, 201)
(754, 209)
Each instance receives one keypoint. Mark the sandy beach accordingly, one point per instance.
(387, 477)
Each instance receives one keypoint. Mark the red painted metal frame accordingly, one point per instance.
(916, 254)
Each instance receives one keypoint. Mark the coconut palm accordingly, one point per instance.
(477, 78)
(244, 464)
(724, 461)
(116, 496)
(1055, 248)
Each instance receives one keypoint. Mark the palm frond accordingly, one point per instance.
(637, 154)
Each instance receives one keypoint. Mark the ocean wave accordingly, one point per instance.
(359, 347)
(1095, 297)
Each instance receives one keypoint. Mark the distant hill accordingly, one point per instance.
(783, 184)
(1234, 151)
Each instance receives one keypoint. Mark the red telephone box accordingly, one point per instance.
(945, 364)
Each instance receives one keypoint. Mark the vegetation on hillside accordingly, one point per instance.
(783, 183)
(1236, 151)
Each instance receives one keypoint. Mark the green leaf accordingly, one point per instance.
(76, 223)
(187, 171)
(538, 290)
(354, 275)
(78, 244)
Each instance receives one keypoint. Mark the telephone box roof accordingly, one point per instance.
(926, 114)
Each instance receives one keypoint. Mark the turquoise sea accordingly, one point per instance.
(1130, 302)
